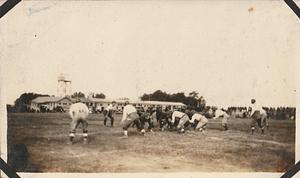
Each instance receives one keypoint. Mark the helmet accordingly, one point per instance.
(253, 101)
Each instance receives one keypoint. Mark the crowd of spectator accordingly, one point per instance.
(272, 112)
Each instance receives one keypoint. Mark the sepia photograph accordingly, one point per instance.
(149, 86)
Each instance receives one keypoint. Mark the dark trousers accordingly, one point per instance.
(149, 121)
(108, 115)
(75, 123)
(194, 125)
(133, 119)
(163, 121)
(175, 123)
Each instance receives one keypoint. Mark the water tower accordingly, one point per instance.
(63, 86)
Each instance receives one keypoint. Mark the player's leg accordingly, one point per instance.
(224, 123)
(265, 121)
(254, 120)
(73, 126)
(151, 124)
(133, 125)
(85, 130)
(169, 122)
(160, 122)
(180, 127)
(105, 120)
(252, 125)
(140, 125)
(112, 119)
(186, 125)
(125, 127)
(198, 126)
(165, 123)
(175, 124)
(225, 126)
(186, 122)
(182, 123)
(105, 113)
(201, 126)
(259, 123)
(195, 124)
(263, 124)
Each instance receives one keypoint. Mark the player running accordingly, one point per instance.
(109, 113)
(130, 116)
(259, 116)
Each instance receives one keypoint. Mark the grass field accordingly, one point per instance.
(45, 136)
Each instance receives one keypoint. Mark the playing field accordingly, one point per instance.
(46, 134)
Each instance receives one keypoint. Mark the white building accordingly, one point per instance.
(50, 103)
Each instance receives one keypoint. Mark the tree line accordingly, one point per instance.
(192, 100)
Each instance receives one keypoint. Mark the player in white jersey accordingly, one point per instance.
(130, 116)
(222, 114)
(258, 116)
(202, 121)
(182, 118)
(79, 113)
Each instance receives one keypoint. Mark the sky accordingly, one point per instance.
(228, 51)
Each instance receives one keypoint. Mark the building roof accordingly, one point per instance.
(159, 103)
(84, 100)
(99, 100)
(48, 99)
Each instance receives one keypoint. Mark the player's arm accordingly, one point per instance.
(193, 119)
(173, 118)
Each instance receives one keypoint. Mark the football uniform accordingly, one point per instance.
(224, 116)
(109, 114)
(130, 116)
(78, 113)
(182, 119)
(202, 121)
(258, 117)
